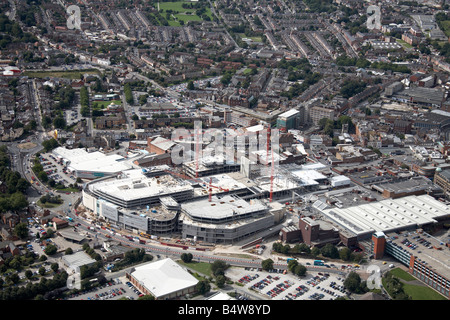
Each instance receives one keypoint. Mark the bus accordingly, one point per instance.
(318, 262)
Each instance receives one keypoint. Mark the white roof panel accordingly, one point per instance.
(164, 277)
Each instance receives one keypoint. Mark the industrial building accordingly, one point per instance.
(77, 260)
(163, 279)
(413, 186)
(388, 215)
(91, 165)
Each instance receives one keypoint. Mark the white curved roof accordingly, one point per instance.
(164, 277)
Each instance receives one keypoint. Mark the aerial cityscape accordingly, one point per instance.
(224, 150)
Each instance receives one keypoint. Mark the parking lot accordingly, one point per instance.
(114, 289)
(279, 286)
(56, 170)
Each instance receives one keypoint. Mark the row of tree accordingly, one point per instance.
(327, 251)
(85, 110)
(13, 199)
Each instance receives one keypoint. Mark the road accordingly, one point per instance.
(154, 247)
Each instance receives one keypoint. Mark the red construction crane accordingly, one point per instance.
(271, 179)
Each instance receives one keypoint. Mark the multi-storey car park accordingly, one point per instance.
(425, 256)
(395, 227)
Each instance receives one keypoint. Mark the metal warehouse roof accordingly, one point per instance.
(163, 277)
(388, 215)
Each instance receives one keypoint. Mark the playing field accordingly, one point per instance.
(70, 74)
(180, 13)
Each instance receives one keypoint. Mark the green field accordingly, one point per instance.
(403, 43)
(70, 74)
(256, 39)
(399, 273)
(104, 104)
(48, 205)
(416, 291)
(182, 14)
(445, 27)
(176, 6)
(203, 268)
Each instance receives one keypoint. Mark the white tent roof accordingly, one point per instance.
(164, 277)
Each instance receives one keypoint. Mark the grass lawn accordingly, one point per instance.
(403, 43)
(399, 273)
(70, 74)
(416, 292)
(446, 27)
(104, 104)
(201, 267)
(48, 205)
(175, 6)
(183, 14)
(247, 71)
(67, 189)
(257, 39)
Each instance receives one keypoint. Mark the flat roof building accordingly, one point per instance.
(224, 219)
(426, 257)
(163, 279)
(77, 260)
(91, 165)
(389, 215)
(133, 188)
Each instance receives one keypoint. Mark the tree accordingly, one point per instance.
(28, 274)
(203, 286)
(220, 281)
(41, 271)
(50, 144)
(147, 297)
(218, 267)
(17, 201)
(50, 249)
(15, 264)
(344, 254)
(353, 282)
(299, 270)
(21, 230)
(143, 99)
(304, 248)
(190, 85)
(267, 264)
(59, 122)
(292, 264)
(186, 257)
(330, 251)
(315, 251)
(128, 93)
(43, 176)
(54, 267)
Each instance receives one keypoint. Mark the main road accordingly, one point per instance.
(157, 248)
